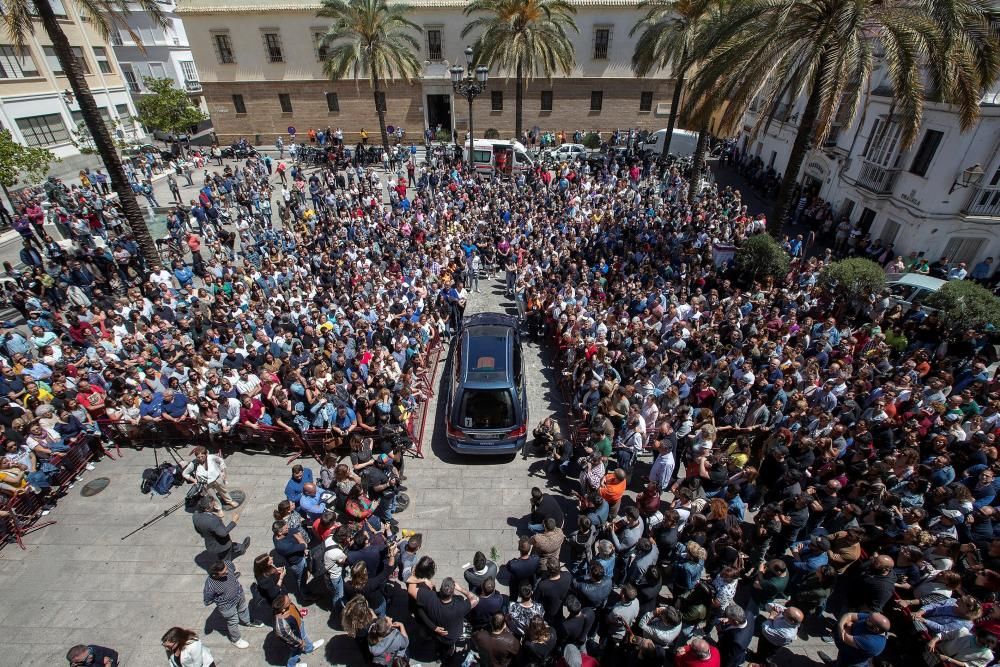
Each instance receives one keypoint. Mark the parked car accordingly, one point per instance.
(231, 152)
(486, 411)
(683, 142)
(141, 149)
(910, 290)
(568, 152)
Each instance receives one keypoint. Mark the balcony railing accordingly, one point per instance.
(984, 201)
(876, 178)
(192, 86)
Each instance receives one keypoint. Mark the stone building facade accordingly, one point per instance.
(261, 73)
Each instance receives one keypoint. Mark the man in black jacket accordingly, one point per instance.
(576, 628)
(208, 521)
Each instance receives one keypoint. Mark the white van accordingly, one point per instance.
(682, 144)
(507, 157)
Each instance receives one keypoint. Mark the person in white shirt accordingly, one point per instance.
(210, 470)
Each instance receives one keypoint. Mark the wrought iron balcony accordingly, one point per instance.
(984, 201)
(877, 179)
(192, 86)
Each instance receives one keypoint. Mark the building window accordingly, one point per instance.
(131, 79)
(101, 56)
(16, 63)
(596, 100)
(124, 116)
(272, 46)
(46, 130)
(285, 101)
(646, 100)
(928, 147)
(158, 70)
(883, 142)
(321, 52)
(434, 45)
(57, 8)
(77, 117)
(602, 43)
(239, 105)
(496, 100)
(332, 102)
(546, 100)
(53, 61)
(866, 220)
(223, 48)
(116, 38)
(963, 249)
(190, 72)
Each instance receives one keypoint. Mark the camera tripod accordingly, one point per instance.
(170, 510)
(173, 508)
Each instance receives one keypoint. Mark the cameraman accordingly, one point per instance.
(382, 482)
(209, 470)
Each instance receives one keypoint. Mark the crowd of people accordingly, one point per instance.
(744, 461)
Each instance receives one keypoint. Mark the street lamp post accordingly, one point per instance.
(469, 87)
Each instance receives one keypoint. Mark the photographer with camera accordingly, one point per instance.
(209, 472)
(382, 482)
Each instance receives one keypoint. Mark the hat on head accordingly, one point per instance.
(954, 515)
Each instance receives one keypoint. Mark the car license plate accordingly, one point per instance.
(487, 436)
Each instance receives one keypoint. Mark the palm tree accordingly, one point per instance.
(669, 30)
(371, 38)
(19, 21)
(527, 37)
(826, 50)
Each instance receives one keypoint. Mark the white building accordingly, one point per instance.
(36, 104)
(165, 52)
(261, 67)
(940, 196)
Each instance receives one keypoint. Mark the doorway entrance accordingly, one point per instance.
(439, 112)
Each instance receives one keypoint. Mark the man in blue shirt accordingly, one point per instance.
(151, 406)
(311, 502)
(300, 477)
(174, 406)
(860, 637)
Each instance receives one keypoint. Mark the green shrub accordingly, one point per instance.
(966, 305)
(492, 133)
(856, 278)
(592, 140)
(761, 256)
(443, 135)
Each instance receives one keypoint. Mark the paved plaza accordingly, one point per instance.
(79, 582)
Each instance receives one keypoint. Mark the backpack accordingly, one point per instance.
(317, 558)
(165, 480)
(149, 477)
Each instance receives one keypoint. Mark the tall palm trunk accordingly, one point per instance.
(800, 147)
(698, 162)
(380, 110)
(519, 101)
(675, 103)
(98, 131)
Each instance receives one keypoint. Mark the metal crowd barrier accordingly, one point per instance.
(25, 509)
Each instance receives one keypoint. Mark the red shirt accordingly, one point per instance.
(689, 659)
(253, 413)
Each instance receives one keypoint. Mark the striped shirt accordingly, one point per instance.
(224, 592)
